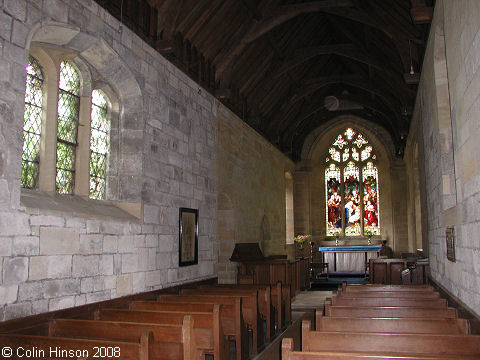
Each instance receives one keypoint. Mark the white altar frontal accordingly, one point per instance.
(348, 259)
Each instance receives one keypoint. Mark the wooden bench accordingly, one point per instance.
(230, 316)
(467, 346)
(50, 347)
(378, 287)
(249, 296)
(280, 300)
(288, 353)
(390, 294)
(389, 311)
(392, 325)
(205, 320)
(384, 301)
(170, 342)
(232, 320)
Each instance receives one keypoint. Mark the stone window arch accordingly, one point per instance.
(351, 186)
(63, 157)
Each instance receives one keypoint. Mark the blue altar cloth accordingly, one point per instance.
(350, 248)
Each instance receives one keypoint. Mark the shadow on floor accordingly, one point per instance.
(334, 280)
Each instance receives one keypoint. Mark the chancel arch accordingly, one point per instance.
(391, 178)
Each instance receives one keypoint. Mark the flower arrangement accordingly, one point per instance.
(300, 239)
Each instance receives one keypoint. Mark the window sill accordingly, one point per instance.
(74, 205)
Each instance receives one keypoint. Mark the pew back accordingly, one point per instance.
(427, 344)
(392, 325)
(383, 301)
(288, 353)
(389, 311)
(62, 348)
(168, 342)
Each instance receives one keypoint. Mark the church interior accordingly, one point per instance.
(249, 179)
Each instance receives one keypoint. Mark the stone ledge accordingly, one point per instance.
(72, 205)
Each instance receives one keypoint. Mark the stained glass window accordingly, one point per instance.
(32, 124)
(68, 112)
(99, 144)
(351, 186)
(370, 199)
(334, 200)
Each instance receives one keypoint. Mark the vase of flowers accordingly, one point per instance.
(300, 241)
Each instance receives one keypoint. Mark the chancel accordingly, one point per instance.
(197, 178)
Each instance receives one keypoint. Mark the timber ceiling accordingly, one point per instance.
(288, 66)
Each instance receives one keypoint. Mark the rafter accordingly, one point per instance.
(278, 17)
(287, 12)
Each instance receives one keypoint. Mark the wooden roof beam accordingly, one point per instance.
(422, 15)
(286, 12)
(351, 80)
(278, 17)
(253, 8)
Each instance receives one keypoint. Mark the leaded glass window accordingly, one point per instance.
(99, 144)
(32, 124)
(351, 186)
(68, 112)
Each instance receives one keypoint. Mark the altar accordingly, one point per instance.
(348, 259)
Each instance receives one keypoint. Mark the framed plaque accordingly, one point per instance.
(450, 236)
(188, 237)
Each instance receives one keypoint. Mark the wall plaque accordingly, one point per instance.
(188, 237)
(450, 236)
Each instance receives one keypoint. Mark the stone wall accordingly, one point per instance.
(448, 106)
(252, 191)
(57, 253)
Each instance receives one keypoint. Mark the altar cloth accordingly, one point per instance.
(351, 248)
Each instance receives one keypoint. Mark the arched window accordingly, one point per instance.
(32, 124)
(67, 126)
(351, 187)
(99, 144)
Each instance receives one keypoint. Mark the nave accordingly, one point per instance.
(206, 320)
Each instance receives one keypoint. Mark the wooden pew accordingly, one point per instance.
(384, 301)
(392, 325)
(389, 311)
(288, 353)
(49, 347)
(250, 313)
(232, 320)
(280, 300)
(390, 294)
(170, 342)
(467, 346)
(264, 305)
(205, 320)
(229, 316)
(379, 287)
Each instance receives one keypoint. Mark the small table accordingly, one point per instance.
(347, 259)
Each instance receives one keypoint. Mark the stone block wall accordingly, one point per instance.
(54, 257)
(453, 187)
(252, 192)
